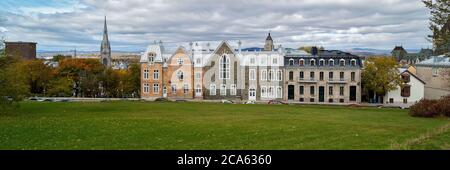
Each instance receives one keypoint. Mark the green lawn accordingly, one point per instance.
(149, 125)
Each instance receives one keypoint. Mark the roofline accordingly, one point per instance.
(406, 70)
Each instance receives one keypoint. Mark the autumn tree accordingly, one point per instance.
(380, 75)
(84, 73)
(38, 75)
(439, 24)
(13, 84)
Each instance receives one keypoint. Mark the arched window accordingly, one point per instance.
(341, 62)
(223, 89)
(264, 75)
(180, 75)
(224, 67)
(212, 89)
(270, 75)
(321, 62)
(198, 90)
(279, 75)
(279, 92)
(263, 91)
(291, 62)
(301, 62)
(331, 62)
(353, 62)
(312, 62)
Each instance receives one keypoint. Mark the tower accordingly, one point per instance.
(269, 43)
(105, 49)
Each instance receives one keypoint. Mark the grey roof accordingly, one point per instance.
(436, 61)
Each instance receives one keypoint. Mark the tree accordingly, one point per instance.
(380, 75)
(59, 57)
(60, 87)
(38, 75)
(13, 83)
(439, 24)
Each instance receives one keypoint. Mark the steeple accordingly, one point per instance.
(269, 43)
(105, 49)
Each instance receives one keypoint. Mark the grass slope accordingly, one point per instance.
(146, 125)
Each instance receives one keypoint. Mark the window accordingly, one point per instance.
(406, 77)
(331, 62)
(198, 76)
(353, 62)
(180, 75)
(311, 75)
(330, 100)
(291, 62)
(263, 91)
(341, 100)
(151, 57)
(311, 90)
(330, 90)
(353, 76)
(274, 61)
(264, 75)
(391, 100)
(279, 92)
(270, 76)
(198, 89)
(311, 100)
(302, 90)
(224, 67)
(302, 99)
(279, 75)
(155, 88)
(223, 89)
(321, 62)
(435, 72)
(302, 76)
(405, 101)
(341, 62)
(406, 91)
(146, 88)
(198, 61)
(186, 89)
(291, 75)
(312, 62)
(212, 90)
(341, 90)
(252, 74)
(321, 76)
(270, 92)
(252, 60)
(155, 74)
(233, 89)
(174, 88)
(146, 73)
(301, 62)
(330, 75)
(180, 61)
(341, 76)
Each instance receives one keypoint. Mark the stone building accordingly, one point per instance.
(25, 50)
(328, 77)
(406, 58)
(435, 72)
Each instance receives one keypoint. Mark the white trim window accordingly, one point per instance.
(270, 75)
(174, 88)
(223, 90)
(435, 71)
(301, 62)
(341, 62)
(185, 88)
(180, 75)
(264, 75)
(233, 89)
(279, 92)
(263, 91)
(291, 62)
(279, 75)
(180, 61)
(331, 62)
(353, 62)
(155, 88)
(198, 90)
(224, 70)
(252, 61)
(252, 74)
(146, 74)
(198, 61)
(270, 92)
(321, 62)
(146, 88)
(312, 62)
(212, 89)
(198, 76)
(155, 74)
(275, 61)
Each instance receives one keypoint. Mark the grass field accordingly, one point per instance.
(149, 125)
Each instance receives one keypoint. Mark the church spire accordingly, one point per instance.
(105, 49)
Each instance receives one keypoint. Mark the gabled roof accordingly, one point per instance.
(403, 70)
(398, 48)
(269, 37)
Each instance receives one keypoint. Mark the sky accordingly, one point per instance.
(134, 24)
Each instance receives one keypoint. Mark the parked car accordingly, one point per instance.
(276, 102)
(227, 101)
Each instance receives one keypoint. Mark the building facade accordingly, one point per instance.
(435, 72)
(411, 91)
(25, 50)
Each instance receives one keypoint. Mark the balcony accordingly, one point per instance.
(308, 80)
(337, 81)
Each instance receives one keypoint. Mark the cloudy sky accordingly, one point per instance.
(133, 24)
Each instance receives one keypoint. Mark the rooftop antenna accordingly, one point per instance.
(75, 53)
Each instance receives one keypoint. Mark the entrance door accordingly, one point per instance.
(321, 94)
(291, 92)
(252, 94)
(353, 93)
(164, 91)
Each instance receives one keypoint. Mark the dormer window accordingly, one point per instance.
(291, 62)
(301, 62)
(342, 62)
(353, 62)
(151, 57)
(321, 62)
(312, 62)
(331, 62)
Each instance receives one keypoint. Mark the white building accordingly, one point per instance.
(412, 91)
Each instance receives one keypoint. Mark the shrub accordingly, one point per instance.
(431, 108)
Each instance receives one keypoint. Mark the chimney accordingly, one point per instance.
(314, 50)
(239, 46)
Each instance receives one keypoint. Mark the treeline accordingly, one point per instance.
(70, 78)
